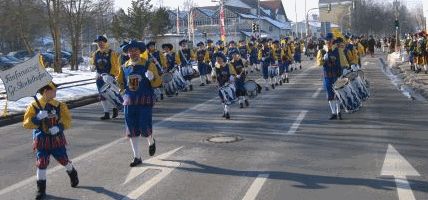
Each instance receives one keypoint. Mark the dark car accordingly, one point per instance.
(48, 60)
(67, 55)
(6, 63)
(22, 55)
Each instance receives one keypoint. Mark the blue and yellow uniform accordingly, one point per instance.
(44, 143)
(138, 96)
(105, 62)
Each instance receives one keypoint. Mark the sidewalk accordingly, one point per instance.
(418, 82)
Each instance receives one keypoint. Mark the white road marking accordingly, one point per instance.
(397, 166)
(255, 188)
(84, 156)
(297, 123)
(315, 95)
(166, 167)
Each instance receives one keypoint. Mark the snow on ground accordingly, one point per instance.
(65, 94)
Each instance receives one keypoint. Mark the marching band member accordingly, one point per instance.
(286, 61)
(220, 48)
(203, 58)
(183, 58)
(123, 56)
(232, 48)
(278, 53)
(243, 51)
(137, 78)
(49, 118)
(421, 53)
(169, 55)
(238, 65)
(298, 54)
(330, 62)
(224, 73)
(266, 57)
(159, 60)
(106, 61)
(254, 61)
(211, 49)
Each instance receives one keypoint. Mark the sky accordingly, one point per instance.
(288, 4)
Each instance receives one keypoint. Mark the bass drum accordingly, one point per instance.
(346, 95)
(228, 94)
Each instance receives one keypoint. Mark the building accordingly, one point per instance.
(239, 17)
(338, 14)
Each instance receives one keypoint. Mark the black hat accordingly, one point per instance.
(167, 45)
(100, 38)
(338, 41)
(182, 42)
(151, 43)
(209, 41)
(220, 42)
(200, 44)
(134, 44)
(123, 44)
(221, 55)
(276, 42)
(232, 42)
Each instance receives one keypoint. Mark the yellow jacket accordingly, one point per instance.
(114, 59)
(360, 49)
(30, 113)
(343, 60)
(178, 58)
(155, 83)
(320, 58)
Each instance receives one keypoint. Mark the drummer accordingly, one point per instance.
(183, 58)
(238, 64)
(330, 62)
(224, 73)
(169, 54)
(203, 58)
(159, 60)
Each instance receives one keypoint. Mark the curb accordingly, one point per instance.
(18, 117)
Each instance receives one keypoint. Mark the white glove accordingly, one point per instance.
(238, 76)
(325, 57)
(97, 76)
(42, 114)
(263, 58)
(54, 130)
(93, 68)
(149, 75)
(231, 79)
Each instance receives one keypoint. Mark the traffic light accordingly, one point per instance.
(329, 7)
(258, 27)
(254, 27)
(396, 24)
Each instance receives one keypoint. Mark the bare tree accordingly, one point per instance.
(75, 11)
(54, 9)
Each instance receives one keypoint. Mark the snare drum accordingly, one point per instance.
(111, 93)
(187, 72)
(178, 80)
(346, 95)
(358, 85)
(227, 94)
(251, 88)
(168, 84)
(273, 70)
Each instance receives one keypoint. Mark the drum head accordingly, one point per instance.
(351, 75)
(361, 74)
(250, 85)
(167, 77)
(340, 83)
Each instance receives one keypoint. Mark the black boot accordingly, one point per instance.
(115, 113)
(202, 84)
(41, 189)
(224, 115)
(286, 80)
(339, 116)
(273, 86)
(74, 178)
(191, 87)
(208, 82)
(280, 82)
(106, 116)
(161, 96)
(241, 105)
(227, 116)
(152, 148)
(333, 116)
(247, 103)
(136, 162)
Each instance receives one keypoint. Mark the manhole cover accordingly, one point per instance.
(224, 139)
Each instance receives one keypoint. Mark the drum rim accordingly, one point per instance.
(335, 86)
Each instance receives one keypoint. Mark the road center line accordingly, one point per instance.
(255, 188)
(297, 123)
(315, 95)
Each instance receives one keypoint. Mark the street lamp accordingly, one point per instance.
(308, 33)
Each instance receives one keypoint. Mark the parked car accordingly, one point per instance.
(22, 54)
(48, 60)
(6, 63)
(67, 55)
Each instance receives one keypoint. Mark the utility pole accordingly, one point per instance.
(397, 36)
(295, 10)
(258, 18)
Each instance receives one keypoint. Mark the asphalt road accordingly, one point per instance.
(288, 149)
